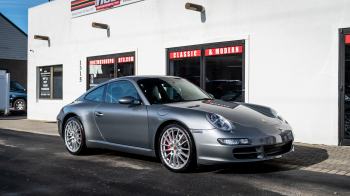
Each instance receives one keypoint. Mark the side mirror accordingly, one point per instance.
(129, 100)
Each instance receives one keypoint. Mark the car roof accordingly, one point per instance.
(133, 78)
(140, 77)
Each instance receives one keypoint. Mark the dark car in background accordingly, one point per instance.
(18, 96)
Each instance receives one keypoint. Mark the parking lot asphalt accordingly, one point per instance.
(34, 161)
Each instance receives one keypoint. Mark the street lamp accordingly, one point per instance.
(194, 7)
(40, 37)
(100, 25)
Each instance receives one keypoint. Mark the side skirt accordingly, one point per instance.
(120, 147)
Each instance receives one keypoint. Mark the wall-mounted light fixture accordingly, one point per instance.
(100, 25)
(39, 37)
(194, 7)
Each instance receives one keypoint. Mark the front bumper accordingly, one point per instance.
(210, 151)
(59, 126)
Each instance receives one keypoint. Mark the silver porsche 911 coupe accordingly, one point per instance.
(171, 118)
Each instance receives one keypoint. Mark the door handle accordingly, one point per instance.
(98, 114)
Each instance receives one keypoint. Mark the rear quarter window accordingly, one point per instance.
(96, 95)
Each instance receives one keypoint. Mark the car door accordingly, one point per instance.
(122, 123)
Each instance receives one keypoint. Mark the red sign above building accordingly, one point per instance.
(126, 59)
(101, 61)
(103, 5)
(185, 54)
(224, 50)
(347, 39)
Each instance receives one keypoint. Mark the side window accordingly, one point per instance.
(96, 95)
(117, 90)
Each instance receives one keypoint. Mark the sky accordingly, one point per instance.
(17, 11)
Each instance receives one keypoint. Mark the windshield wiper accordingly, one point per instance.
(176, 101)
(202, 99)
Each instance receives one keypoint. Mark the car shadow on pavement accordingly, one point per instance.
(93, 152)
(303, 156)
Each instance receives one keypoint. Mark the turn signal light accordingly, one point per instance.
(234, 141)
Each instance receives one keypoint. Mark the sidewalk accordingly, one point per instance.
(317, 158)
(18, 121)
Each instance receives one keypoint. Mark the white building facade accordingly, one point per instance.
(288, 55)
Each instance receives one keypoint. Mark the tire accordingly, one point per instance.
(20, 104)
(176, 149)
(74, 136)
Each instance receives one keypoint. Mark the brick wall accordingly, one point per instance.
(17, 69)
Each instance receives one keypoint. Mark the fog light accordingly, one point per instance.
(234, 141)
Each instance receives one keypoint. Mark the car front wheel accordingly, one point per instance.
(74, 137)
(20, 104)
(176, 148)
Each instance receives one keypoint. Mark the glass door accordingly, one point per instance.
(344, 87)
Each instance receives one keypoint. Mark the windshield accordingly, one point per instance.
(169, 90)
(14, 86)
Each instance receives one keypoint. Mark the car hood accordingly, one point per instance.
(242, 114)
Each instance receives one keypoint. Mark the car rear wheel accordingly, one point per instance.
(176, 148)
(74, 137)
(20, 104)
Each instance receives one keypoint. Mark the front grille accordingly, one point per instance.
(246, 156)
(278, 149)
(245, 153)
(242, 150)
(262, 151)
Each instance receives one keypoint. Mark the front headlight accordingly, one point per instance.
(219, 122)
(278, 116)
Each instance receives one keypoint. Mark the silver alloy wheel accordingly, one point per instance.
(175, 148)
(73, 136)
(19, 105)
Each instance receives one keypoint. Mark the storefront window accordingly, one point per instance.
(125, 66)
(186, 64)
(100, 70)
(104, 68)
(57, 82)
(50, 82)
(217, 68)
(223, 68)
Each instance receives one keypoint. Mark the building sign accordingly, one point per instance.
(185, 54)
(102, 61)
(126, 59)
(45, 82)
(83, 7)
(224, 50)
(347, 39)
